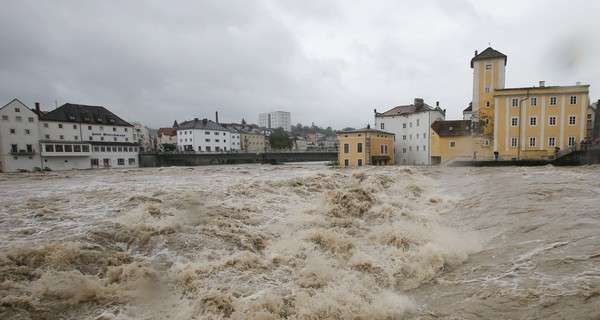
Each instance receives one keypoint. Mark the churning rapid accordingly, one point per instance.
(301, 242)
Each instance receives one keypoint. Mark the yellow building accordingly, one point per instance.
(451, 140)
(365, 147)
(530, 123)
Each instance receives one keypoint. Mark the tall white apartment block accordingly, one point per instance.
(411, 124)
(19, 138)
(276, 119)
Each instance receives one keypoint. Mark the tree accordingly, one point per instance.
(243, 121)
(279, 139)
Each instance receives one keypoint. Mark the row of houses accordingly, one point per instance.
(528, 123)
(70, 137)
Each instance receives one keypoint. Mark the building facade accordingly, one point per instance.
(19, 138)
(77, 136)
(276, 119)
(411, 125)
(455, 135)
(529, 123)
(365, 147)
(203, 136)
(142, 136)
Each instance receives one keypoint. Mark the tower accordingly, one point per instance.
(488, 75)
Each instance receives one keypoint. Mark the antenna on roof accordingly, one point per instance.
(56, 104)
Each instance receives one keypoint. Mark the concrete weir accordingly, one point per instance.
(199, 159)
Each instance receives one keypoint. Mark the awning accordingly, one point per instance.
(380, 158)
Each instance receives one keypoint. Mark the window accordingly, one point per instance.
(74, 126)
(115, 138)
(206, 132)
(452, 144)
(424, 148)
(101, 138)
(4, 118)
(404, 137)
(410, 136)
(573, 100)
(552, 101)
(488, 66)
(515, 102)
(514, 122)
(487, 104)
(216, 133)
(131, 160)
(552, 120)
(19, 119)
(487, 121)
(115, 129)
(417, 136)
(346, 162)
(27, 131)
(206, 140)
(121, 161)
(410, 124)
(551, 142)
(403, 150)
(17, 110)
(417, 148)
(359, 147)
(514, 142)
(571, 141)
(125, 129)
(30, 119)
(216, 140)
(360, 162)
(61, 137)
(418, 122)
(346, 148)
(486, 142)
(487, 89)
(60, 125)
(77, 148)
(424, 135)
(223, 133)
(14, 148)
(404, 125)
(45, 125)
(29, 148)
(85, 148)
(382, 126)
(572, 120)
(532, 141)
(68, 148)
(76, 137)
(384, 148)
(59, 148)
(533, 101)
(101, 128)
(95, 162)
(47, 137)
(49, 148)
(90, 128)
(533, 121)
(13, 131)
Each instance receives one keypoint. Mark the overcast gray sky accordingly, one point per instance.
(327, 62)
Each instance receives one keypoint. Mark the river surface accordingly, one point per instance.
(301, 242)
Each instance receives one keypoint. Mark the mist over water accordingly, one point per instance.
(301, 242)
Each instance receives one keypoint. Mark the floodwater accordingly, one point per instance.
(301, 242)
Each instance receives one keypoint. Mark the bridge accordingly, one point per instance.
(191, 158)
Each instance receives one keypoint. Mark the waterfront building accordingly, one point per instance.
(276, 119)
(234, 130)
(410, 124)
(166, 138)
(252, 139)
(365, 147)
(456, 135)
(142, 136)
(75, 136)
(203, 135)
(19, 138)
(528, 123)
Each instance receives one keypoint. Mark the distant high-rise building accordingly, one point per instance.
(276, 119)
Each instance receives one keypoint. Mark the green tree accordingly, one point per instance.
(279, 139)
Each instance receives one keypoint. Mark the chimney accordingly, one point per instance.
(542, 83)
(476, 53)
(578, 83)
(195, 119)
(217, 116)
(37, 108)
(437, 103)
(368, 126)
(375, 111)
(205, 121)
(418, 102)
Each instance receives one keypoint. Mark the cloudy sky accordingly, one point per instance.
(328, 62)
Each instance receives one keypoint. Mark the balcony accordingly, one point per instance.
(22, 152)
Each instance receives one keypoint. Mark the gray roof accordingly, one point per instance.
(83, 114)
(203, 124)
(488, 54)
(469, 108)
(367, 129)
(418, 106)
(452, 128)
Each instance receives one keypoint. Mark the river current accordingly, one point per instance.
(301, 242)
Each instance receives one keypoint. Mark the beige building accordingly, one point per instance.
(365, 147)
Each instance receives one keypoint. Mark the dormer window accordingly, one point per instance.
(99, 119)
(111, 120)
(86, 119)
(72, 118)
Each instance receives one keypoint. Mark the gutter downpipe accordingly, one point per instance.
(520, 121)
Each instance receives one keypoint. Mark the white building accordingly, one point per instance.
(203, 135)
(410, 124)
(236, 136)
(82, 137)
(141, 136)
(276, 119)
(19, 138)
